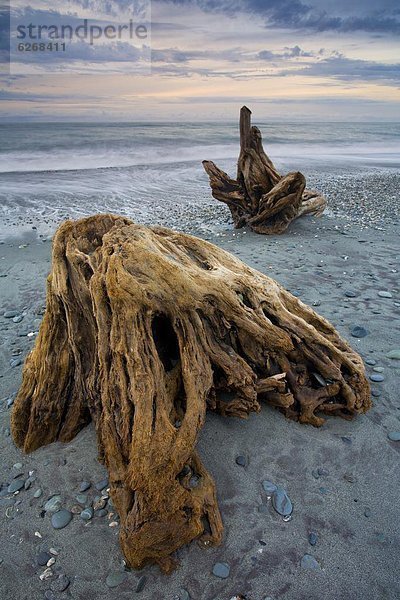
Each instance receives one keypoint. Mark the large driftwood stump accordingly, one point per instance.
(145, 329)
(259, 197)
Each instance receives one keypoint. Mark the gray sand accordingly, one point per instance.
(352, 508)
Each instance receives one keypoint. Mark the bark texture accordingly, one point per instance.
(145, 329)
(260, 197)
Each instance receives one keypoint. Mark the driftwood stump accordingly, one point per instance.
(145, 329)
(260, 197)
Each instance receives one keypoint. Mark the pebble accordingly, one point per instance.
(10, 314)
(100, 485)
(53, 504)
(15, 362)
(47, 573)
(115, 579)
(50, 595)
(183, 594)
(345, 439)
(221, 570)
(101, 513)
(60, 584)
(15, 485)
(99, 503)
(310, 563)
(350, 294)
(81, 498)
(385, 294)
(269, 487)
(60, 519)
(85, 485)
(376, 393)
(378, 369)
(241, 461)
(43, 558)
(377, 378)
(370, 361)
(140, 584)
(358, 331)
(367, 512)
(323, 472)
(87, 514)
(312, 538)
(17, 466)
(281, 502)
(394, 354)
(350, 478)
(28, 482)
(18, 318)
(38, 493)
(394, 436)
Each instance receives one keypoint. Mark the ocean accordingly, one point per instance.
(152, 172)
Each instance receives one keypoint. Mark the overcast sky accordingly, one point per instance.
(285, 58)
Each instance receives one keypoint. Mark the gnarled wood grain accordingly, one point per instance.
(145, 329)
(259, 197)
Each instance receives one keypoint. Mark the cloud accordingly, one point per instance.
(295, 14)
(348, 69)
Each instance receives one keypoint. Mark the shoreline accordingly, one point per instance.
(337, 268)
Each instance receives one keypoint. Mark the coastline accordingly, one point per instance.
(336, 265)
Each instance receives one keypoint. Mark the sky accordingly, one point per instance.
(202, 59)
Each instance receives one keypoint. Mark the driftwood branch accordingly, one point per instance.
(145, 329)
(260, 197)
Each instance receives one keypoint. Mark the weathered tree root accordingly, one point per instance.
(145, 329)
(259, 197)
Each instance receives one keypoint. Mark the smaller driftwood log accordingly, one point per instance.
(144, 330)
(260, 197)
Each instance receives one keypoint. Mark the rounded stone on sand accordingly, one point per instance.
(15, 485)
(53, 504)
(269, 487)
(358, 331)
(140, 584)
(281, 502)
(81, 498)
(60, 584)
(115, 578)
(87, 513)
(312, 538)
(394, 436)
(370, 361)
(308, 562)
(43, 558)
(221, 570)
(61, 518)
(377, 378)
(100, 485)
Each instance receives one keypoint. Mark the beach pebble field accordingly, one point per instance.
(309, 513)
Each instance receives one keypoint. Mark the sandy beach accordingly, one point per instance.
(342, 478)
